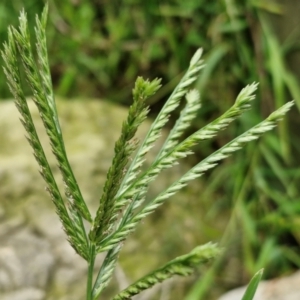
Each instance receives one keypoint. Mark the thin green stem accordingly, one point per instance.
(106, 271)
(89, 286)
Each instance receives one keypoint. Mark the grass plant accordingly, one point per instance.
(122, 205)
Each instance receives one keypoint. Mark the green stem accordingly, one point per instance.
(89, 285)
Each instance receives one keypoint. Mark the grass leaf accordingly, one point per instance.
(252, 287)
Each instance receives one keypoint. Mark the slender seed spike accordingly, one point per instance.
(196, 57)
(208, 163)
(183, 265)
(39, 80)
(169, 156)
(124, 147)
(19, 40)
(163, 117)
(12, 72)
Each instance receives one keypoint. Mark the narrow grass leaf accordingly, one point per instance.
(252, 287)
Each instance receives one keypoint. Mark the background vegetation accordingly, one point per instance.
(97, 49)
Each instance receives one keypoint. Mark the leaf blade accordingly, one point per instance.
(253, 285)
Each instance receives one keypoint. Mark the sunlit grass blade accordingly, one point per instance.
(252, 287)
(212, 60)
(276, 68)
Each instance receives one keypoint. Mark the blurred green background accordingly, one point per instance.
(97, 48)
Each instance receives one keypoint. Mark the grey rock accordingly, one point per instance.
(285, 288)
(25, 294)
(23, 256)
(35, 255)
(11, 270)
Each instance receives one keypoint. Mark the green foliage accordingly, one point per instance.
(122, 205)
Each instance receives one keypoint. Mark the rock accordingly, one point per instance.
(25, 294)
(11, 270)
(33, 255)
(285, 288)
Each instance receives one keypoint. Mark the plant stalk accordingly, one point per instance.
(89, 285)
